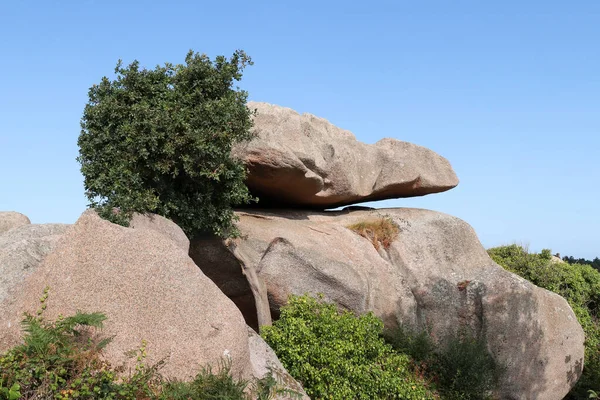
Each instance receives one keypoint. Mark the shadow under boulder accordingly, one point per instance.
(224, 269)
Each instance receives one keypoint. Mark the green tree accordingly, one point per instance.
(160, 141)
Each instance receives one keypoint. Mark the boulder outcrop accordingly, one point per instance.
(11, 219)
(304, 161)
(22, 249)
(434, 276)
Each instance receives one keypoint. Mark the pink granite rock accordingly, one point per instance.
(149, 289)
(305, 161)
(11, 219)
(436, 275)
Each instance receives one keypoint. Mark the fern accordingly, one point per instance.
(38, 338)
(68, 325)
(42, 338)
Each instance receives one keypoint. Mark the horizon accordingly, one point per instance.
(508, 93)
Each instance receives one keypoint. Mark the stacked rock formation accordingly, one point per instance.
(436, 275)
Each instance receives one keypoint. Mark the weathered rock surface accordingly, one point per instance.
(149, 289)
(163, 226)
(265, 361)
(556, 260)
(11, 219)
(435, 275)
(22, 249)
(303, 160)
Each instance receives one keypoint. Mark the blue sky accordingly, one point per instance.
(508, 91)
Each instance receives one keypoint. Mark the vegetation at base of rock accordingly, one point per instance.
(160, 141)
(63, 360)
(579, 284)
(462, 369)
(337, 355)
(381, 231)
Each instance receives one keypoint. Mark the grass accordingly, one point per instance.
(381, 231)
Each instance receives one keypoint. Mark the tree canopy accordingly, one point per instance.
(160, 141)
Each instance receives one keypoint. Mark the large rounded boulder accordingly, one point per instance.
(12, 219)
(434, 276)
(148, 287)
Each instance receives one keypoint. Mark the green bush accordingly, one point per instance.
(160, 141)
(62, 360)
(337, 355)
(579, 285)
(462, 369)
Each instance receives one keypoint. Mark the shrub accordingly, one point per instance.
(337, 355)
(579, 285)
(160, 141)
(462, 369)
(62, 360)
(381, 232)
(465, 369)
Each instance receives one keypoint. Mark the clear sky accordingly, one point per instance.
(508, 91)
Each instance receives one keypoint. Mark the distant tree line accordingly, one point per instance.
(595, 263)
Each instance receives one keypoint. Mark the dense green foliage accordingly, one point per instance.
(62, 360)
(462, 369)
(160, 141)
(579, 285)
(336, 355)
